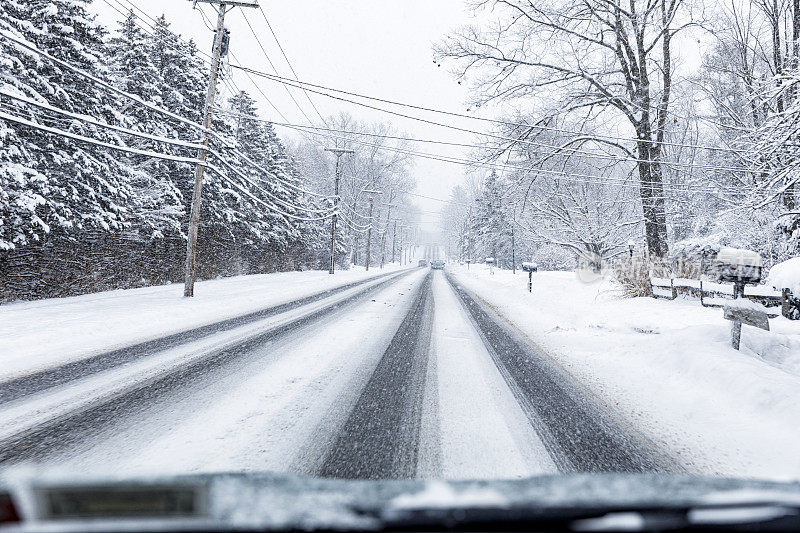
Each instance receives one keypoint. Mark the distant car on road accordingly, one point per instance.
(438, 264)
(422, 263)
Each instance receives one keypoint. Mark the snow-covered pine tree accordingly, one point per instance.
(492, 225)
(157, 212)
(75, 217)
(80, 190)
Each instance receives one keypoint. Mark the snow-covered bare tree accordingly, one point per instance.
(609, 58)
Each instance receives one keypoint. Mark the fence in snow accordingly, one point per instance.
(714, 294)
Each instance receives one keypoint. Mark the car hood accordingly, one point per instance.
(285, 502)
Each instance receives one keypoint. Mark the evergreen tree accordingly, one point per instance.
(492, 223)
(57, 184)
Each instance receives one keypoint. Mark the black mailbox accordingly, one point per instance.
(737, 266)
(530, 267)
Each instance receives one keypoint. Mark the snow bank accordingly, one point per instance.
(44, 333)
(667, 366)
(786, 275)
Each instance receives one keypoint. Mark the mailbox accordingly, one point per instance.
(737, 266)
(490, 260)
(530, 267)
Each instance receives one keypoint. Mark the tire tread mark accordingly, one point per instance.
(17, 388)
(60, 433)
(575, 432)
(381, 437)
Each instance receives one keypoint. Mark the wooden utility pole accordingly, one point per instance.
(369, 233)
(211, 91)
(390, 205)
(403, 244)
(339, 153)
(369, 229)
(394, 239)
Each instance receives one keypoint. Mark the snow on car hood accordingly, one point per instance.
(276, 501)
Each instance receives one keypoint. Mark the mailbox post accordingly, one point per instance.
(490, 261)
(530, 268)
(741, 267)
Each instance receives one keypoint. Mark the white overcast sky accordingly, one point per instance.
(379, 48)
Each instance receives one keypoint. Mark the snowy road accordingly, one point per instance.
(404, 375)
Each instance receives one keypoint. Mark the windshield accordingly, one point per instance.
(400, 240)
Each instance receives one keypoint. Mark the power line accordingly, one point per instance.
(108, 86)
(234, 90)
(567, 151)
(196, 145)
(150, 28)
(296, 77)
(174, 142)
(512, 140)
(252, 81)
(281, 79)
(158, 155)
(271, 64)
(570, 150)
(578, 177)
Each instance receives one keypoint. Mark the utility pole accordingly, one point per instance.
(402, 245)
(194, 219)
(394, 239)
(339, 153)
(390, 205)
(369, 234)
(403, 228)
(369, 229)
(354, 240)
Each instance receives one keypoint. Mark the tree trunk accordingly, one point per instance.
(651, 190)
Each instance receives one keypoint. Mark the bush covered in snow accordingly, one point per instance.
(634, 276)
(786, 275)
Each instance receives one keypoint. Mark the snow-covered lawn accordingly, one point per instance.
(667, 366)
(39, 334)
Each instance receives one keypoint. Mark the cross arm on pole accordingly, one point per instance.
(233, 3)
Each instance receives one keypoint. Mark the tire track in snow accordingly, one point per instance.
(276, 410)
(381, 437)
(20, 387)
(60, 433)
(578, 436)
(481, 431)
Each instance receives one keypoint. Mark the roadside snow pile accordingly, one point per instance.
(786, 275)
(667, 366)
(43, 333)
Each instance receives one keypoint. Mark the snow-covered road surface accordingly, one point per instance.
(36, 402)
(400, 376)
(666, 366)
